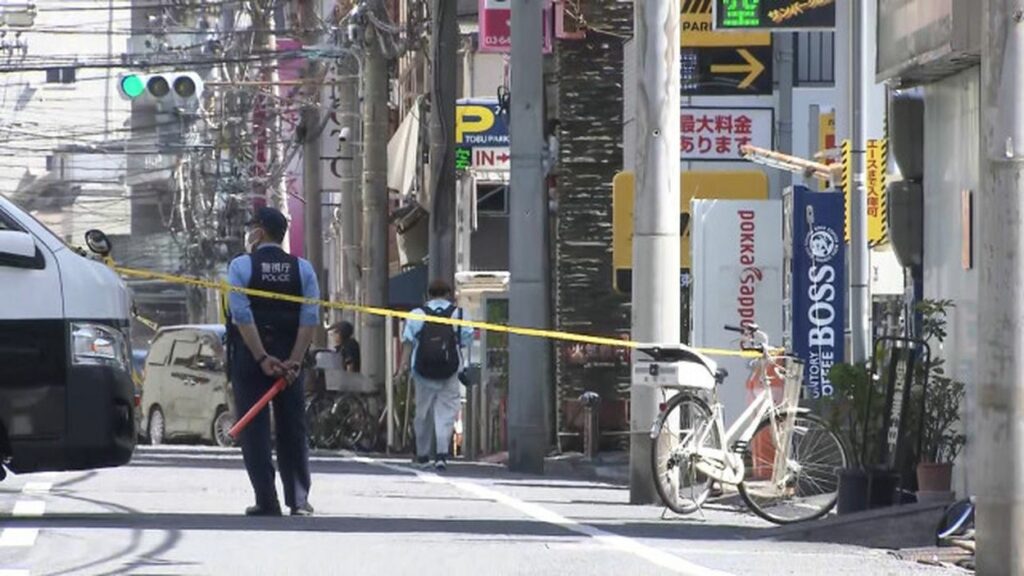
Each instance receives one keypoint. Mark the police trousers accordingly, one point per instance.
(250, 384)
(437, 407)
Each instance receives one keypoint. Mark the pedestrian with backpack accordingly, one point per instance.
(436, 362)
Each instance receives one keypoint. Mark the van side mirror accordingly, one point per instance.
(98, 242)
(18, 250)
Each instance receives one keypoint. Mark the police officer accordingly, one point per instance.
(268, 339)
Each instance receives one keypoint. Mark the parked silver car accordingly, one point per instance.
(186, 393)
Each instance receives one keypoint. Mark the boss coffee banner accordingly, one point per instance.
(819, 286)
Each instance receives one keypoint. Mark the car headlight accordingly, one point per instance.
(97, 344)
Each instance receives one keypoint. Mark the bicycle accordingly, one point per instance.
(781, 458)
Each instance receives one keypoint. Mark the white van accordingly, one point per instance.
(66, 393)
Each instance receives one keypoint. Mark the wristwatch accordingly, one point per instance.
(260, 361)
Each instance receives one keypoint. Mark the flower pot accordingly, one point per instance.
(852, 494)
(932, 477)
(861, 490)
(882, 490)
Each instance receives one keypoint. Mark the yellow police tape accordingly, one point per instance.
(224, 287)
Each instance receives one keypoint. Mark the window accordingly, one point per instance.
(183, 352)
(64, 75)
(491, 198)
(207, 357)
(814, 58)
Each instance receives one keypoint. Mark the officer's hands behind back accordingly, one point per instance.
(273, 367)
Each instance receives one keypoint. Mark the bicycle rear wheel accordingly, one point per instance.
(807, 487)
(673, 452)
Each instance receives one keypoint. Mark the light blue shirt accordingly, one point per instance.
(414, 326)
(239, 275)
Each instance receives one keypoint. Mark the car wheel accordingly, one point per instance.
(157, 427)
(221, 425)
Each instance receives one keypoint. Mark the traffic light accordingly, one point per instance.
(177, 87)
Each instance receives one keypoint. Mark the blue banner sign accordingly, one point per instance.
(819, 286)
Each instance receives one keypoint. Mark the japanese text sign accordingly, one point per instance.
(716, 134)
(876, 164)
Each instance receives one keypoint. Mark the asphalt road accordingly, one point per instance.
(178, 510)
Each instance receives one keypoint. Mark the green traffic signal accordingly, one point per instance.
(132, 86)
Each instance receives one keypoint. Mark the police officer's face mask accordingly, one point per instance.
(252, 238)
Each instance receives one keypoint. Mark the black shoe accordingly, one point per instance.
(304, 510)
(423, 462)
(258, 510)
(441, 462)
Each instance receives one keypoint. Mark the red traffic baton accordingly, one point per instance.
(260, 405)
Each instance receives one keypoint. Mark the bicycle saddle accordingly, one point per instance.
(678, 353)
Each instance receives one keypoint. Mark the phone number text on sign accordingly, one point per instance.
(716, 134)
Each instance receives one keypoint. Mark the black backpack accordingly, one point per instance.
(437, 355)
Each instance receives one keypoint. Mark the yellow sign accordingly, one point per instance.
(698, 30)
(740, 185)
(847, 183)
(875, 168)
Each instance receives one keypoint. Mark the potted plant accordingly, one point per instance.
(856, 415)
(942, 438)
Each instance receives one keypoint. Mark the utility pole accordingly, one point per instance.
(529, 358)
(351, 217)
(375, 203)
(312, 178)
(860, 297)
(265, 41)
(444, 42)
(1000, 394)
(784, 60)
(656, 279)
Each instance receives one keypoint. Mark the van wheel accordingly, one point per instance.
(157, 427)
(221, 425)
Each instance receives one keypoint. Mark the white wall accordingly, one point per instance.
(952, 164)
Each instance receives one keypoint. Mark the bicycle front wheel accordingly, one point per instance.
(677, 433)
(803, 485)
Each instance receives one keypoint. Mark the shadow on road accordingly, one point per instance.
(373, 525)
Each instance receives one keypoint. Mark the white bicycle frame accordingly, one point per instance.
(725, 465)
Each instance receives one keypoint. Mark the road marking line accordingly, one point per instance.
(37, 487)
(18, 537)
(31, 508)
(10, 572)
(25, 537)
(614, 541)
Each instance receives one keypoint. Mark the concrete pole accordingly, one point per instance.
(860, 297)
(656, 279)
(999, 436)
(312, 174)
(444, 44)
(529, 358)
(784, 60)
(375, 204)
(351, 214)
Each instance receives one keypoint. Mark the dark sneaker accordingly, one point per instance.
(304, 510)
(263, 510)
(441, 463)
(422, 462)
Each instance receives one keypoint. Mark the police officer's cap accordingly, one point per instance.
(271, 220)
